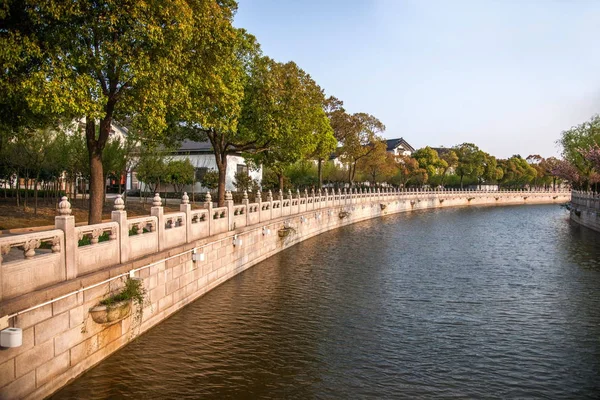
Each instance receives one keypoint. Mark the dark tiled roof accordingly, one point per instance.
(393, 143)
(193, 147)
(441, 150)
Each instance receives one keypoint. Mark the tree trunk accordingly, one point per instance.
(18, 190)
(222, 167)
(461, 181)
(96, 173)
(320, 172)
(26, 190)
(35, 195)
(280, 178)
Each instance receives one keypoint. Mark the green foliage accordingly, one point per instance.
(133, 290)
(359, 135)
(575, 142)
(211, 180)
(283, 107)
(517, 172)
(135, 60)
(378, 165)
(244, 182)
(429, 160)
(152, 168)
(470, 161)
(87, 240)
(179, 173)
(302, 174)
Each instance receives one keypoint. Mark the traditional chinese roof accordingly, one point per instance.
(394, 143)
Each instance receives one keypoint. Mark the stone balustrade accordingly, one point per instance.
(68, 251)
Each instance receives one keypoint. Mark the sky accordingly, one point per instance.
(509, 76)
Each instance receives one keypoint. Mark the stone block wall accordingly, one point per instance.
(585, 209)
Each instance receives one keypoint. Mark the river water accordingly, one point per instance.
(478, 302)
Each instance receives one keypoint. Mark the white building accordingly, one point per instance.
(399, 147)
(202, 158)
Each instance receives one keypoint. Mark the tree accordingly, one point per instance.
(577, 141)
(470, 161)
(408, 171)
(210, 180)
(378, 165)
(360, 135)
(151, 168)
(517, 172)
(451, 160)
(179, 173)
(243, 182)
(549, 165)
(284, 105)
(491, 171)
(106, 59)
(429, 159)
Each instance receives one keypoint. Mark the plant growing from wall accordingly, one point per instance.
(117, 306)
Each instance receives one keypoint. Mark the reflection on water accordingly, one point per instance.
(470, 303)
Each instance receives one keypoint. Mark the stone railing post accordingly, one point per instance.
(258, 199)
(229, 205)
(270, 201)
(208, 205)
(298, 198)
(158, 211)
(66, 222)
(186, 207)
(305, 199)
(290, 197)
(245, 202)
(119, 215)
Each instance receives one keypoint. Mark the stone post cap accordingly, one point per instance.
(290, 193)
(119, 203)
(156, 201)
(280, 193)
(345, 191)
(305, 192)
(269, 196)
(312, 192)
(228, 195)
(64, 207)
(208, 198)
(245, 196)
(319, 193)
(326, 192)
(185, 199)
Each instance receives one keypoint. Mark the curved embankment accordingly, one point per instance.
(61, 341)
(585, 209)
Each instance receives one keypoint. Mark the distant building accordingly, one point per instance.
(202, 157)
(399, 147)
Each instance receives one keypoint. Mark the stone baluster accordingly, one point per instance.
(270, 201)
(229, 205)
(208, 205)
(66, 222)
(186, 208)
(158, 211)
(119, 215)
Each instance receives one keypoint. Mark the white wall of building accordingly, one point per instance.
(208, 161)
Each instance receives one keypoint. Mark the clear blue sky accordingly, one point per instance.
(506, 75)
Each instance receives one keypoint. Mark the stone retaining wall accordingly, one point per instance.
(585, 209)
